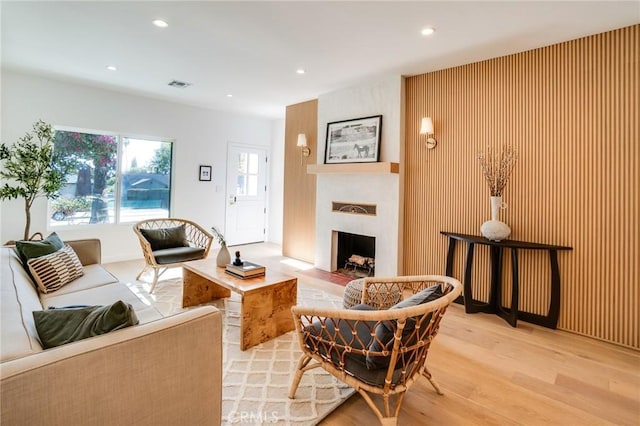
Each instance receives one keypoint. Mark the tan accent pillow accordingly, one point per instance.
(54, 270)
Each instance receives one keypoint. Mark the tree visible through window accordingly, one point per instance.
(107, 188)
(146, 179)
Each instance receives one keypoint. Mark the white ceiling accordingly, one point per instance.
(252, 49)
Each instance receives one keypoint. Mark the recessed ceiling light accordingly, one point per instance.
(160, 23)
(300, 71)
(428, 31)
(229, 95)
(112, 68)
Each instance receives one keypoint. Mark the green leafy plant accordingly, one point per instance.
(218, 236)
(93, 152)
(32, 168)
(161, 161)
(68, 206)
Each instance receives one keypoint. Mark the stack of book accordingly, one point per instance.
(246, 270)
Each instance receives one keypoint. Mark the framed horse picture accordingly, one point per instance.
(354, 141)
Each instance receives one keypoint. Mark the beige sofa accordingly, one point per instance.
(166, 370)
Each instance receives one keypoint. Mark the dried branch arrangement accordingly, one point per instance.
(497, 168)
(218, 236)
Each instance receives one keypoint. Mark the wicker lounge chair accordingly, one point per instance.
(374, 349)
(169, 242)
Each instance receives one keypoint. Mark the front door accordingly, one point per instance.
(246, 194)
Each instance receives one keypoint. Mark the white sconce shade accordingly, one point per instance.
(305, 151)
(426, 128)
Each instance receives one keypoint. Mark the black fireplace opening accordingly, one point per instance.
(355, 255)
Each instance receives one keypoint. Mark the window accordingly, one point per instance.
(115, 179)
(247, 183)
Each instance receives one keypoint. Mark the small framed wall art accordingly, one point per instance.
(205, 173)
(354, 141)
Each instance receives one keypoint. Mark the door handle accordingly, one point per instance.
(232, 200)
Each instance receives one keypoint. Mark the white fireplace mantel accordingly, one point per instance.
(348, 168)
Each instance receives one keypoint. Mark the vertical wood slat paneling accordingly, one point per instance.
(571, 110)
(299, 195)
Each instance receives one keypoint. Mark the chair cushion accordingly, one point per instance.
(59, 326)
(373, 377)
(355, 364)
(385, 330)
(427, 295)
(177, 255)
(360, 340)
(52, 271)
(166, 238)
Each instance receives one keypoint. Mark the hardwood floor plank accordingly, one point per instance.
(628, 387)
(569, 398)
(447, 410)
(617, 405)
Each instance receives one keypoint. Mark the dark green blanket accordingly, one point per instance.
(58, 326)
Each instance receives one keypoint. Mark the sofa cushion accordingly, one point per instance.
(54, 270)
(178, 254)
(102, 295)
(166, 238)
(30, 249)
(94, 276)
(60, 326)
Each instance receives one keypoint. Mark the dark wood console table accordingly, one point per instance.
(495, 293)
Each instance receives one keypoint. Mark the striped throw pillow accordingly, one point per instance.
(54, 270)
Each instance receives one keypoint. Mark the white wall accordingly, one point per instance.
(201, 137)
(384, 97)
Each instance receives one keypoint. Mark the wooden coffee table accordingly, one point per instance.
(266, 301)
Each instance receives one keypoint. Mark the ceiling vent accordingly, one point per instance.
(179, 84)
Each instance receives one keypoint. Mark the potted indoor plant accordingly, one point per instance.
(32, 168)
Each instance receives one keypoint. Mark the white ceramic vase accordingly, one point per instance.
(223, 257)
(494, 229)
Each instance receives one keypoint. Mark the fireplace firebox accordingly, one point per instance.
(355, 254)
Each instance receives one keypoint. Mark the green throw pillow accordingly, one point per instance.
(30, 249)
(64, 325)
(166, 238)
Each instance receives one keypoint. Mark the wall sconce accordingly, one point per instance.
(426, 128)
(302, 143)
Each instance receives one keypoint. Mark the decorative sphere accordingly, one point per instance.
(495, 230)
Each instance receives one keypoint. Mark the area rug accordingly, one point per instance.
(255, 383)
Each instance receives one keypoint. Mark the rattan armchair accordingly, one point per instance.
(374, 349)
(195, 243)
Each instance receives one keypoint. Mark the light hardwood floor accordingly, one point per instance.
(491, 373)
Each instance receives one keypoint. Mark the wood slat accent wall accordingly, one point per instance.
(571, 110)
(299, 213)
